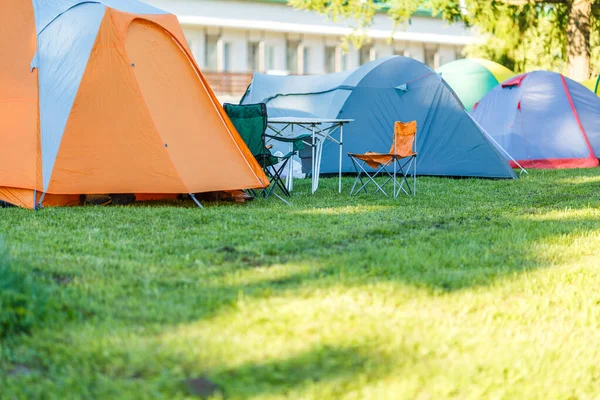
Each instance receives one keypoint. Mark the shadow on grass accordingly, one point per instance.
(140, 266)
(441, 241)
(281, 376)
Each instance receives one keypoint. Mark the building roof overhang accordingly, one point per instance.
(333, 30)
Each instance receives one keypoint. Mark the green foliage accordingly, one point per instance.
(24, 302)
(523, 37)
(359, 12)
(530, 37)
(473, 289)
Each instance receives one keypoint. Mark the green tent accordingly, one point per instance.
(593, 84)
(473, 78)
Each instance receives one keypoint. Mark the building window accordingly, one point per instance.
(430, 57)
(291, 58)
(270, 50)
(344, 60)
(305, 60)
(254, 62)
(192, 50)
(211, 52)
(226, 57)
(330, 52)
(458, 53)
(367, 54)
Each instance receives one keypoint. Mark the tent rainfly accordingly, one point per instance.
(544, 120)
(104, 97)
(397, 88)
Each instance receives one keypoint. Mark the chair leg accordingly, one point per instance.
(412, 163)
(268, 170)
(276, 183)
(399, 176)
(403, 177)
(415, 177)
(280, 182)
(383, 168)
(359, 171)
(275, 175)
(358, 176)
(405, 171)
(401, 171)
(395, 175)
(371, 178)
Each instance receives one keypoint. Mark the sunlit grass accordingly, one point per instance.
(346, 210)
(473, 289)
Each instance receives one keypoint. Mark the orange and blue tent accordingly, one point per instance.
(104, 97)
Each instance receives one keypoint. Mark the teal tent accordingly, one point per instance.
(473, 78)
(449, 141)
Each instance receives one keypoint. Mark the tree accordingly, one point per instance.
(552, 34)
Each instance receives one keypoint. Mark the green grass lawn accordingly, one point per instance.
(473, 289)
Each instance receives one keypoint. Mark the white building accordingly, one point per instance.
(230, 39)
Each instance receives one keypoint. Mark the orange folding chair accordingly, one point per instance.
(402, 157)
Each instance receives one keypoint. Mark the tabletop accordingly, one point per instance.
(308, 121)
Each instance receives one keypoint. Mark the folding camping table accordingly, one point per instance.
(321, 129)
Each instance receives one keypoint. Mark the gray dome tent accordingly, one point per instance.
(449, 141)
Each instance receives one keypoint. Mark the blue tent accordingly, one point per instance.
(544, 120)
(449, 141)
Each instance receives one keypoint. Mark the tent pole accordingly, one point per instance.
(40, 203)
(196, 200)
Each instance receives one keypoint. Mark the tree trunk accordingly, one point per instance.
(578, 33)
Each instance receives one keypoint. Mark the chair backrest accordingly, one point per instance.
(404, 138)
(250, 120)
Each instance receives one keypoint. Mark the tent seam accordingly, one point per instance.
(65, 11)
(44, 187)
(211, 94)
(140, 91)
(340, 87)
(576, 115)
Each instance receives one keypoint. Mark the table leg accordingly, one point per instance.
(314, 171)
(319, 156)
(290, 178)
(341, 152)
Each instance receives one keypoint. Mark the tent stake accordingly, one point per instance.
(196, 200)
